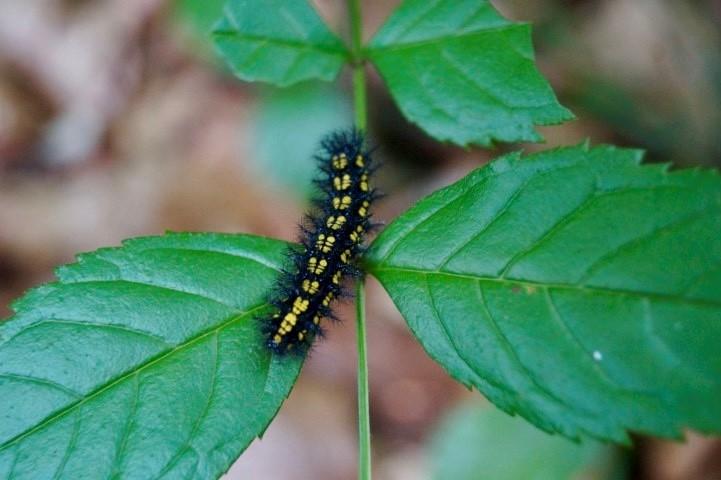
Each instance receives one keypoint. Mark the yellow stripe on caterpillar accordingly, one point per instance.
(342, 203)
(335, 223)
(355, 236)
(327, 299)
(340, 161)
(345, 256)
(300, 305)
(342, 183)
(316, 266)
(325, 243)
(364, 182)
(334, 231)
(310, 286)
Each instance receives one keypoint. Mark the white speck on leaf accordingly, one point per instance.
(598, 356)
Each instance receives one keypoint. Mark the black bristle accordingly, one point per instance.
(291, 326)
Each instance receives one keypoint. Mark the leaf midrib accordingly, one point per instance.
(145, 365)
(442, 38)
(553, 286)
(336, 50)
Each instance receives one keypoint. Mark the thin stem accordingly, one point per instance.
(361, 120)
(359, 97)
(364, 430)
(359, 76)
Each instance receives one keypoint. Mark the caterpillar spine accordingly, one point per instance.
(331, 239)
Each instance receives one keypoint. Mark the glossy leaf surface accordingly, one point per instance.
(142, 362)
(278, 42)
(576, 287)
(464, 73)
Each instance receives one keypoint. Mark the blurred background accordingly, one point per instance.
(117, 120)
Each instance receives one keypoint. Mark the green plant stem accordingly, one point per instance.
(361, 120)
(359, 95)
(358, 63)
(364, 431)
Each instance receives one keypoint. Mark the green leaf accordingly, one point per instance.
(575, 287)
(142, 362)
(288, 124)
(194, 20)
(479, 443)
(201, 14)
(278, 42)
(463, 73)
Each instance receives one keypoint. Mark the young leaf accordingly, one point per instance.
(575, 287)
(482, 443)
(287, 126)
(278, 42)
(463, 73)
(197, 18)
(142, 362)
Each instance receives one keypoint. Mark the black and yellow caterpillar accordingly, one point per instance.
(332, 236)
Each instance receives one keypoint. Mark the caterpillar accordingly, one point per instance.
(331, 238)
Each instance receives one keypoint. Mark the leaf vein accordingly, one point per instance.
(237, 256)
(122, 443)
(16, 456)
(499, 213)
(484, 90)
(206, 408)
(697, 279)
(562, 222)
(449, 337)
(635, 242)
(326, 49)
(149, 283)
(41, 381)
(158, 358)
(426, 219)
(435, 40)
(433, 6)
(586, 354)
(667, 351)
(70, 446)
(555, 286)
(513, 355)
(108, 326)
